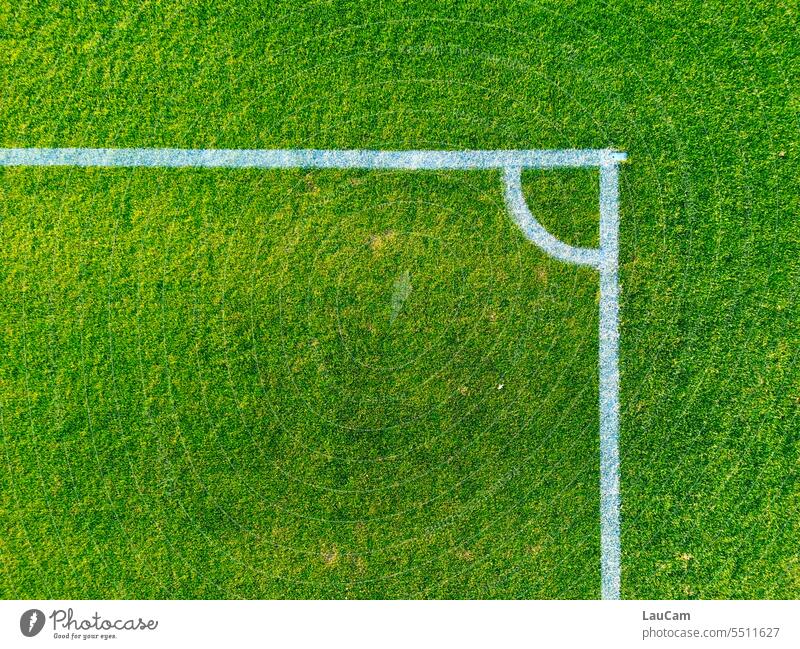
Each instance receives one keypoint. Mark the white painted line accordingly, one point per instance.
(511, 163)
(307, 158)
(609, 382)
(518, 207)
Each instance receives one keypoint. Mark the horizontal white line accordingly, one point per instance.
(308, 158)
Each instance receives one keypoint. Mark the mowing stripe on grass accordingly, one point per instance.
(511, 163)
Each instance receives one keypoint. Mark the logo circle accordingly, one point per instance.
(31, 622)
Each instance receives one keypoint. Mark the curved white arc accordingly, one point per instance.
(535, 231)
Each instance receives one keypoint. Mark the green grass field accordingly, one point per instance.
(350, 384)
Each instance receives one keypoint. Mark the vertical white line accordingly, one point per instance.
(609, 381)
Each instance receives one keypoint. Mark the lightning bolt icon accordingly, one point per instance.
(32, 620)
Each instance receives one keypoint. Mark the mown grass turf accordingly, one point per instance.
(287, 384)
